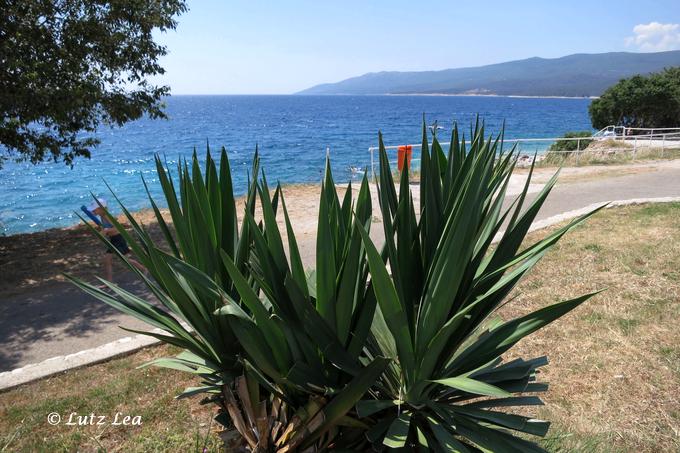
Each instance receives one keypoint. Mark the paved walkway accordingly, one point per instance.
(59, 319)
(613, 184)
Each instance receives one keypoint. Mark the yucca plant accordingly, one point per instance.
(304, 335)
(279, 350)
(438, 288)
(369, 350)
(186, 273)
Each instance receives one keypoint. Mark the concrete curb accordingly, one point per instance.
(127, 345)
(58, 364)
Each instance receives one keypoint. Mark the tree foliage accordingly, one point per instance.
(67, 66)
(640, 101)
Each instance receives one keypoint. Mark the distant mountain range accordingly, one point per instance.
(574, 75)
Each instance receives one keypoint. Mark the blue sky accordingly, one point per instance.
(258, 47)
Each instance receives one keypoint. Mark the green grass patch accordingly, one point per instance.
(595, 248)
(671, 355)
(594, 317)
(564, 442)
(627, 325)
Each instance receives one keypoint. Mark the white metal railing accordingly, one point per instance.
(663, 141)
(626, 131)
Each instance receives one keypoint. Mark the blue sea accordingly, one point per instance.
(292, 132)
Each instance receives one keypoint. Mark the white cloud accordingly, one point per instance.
(655, 37)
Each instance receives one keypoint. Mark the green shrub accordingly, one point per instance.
(572, 145)
(370, 350)
(564, 149)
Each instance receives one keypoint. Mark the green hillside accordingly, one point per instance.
(573, 75)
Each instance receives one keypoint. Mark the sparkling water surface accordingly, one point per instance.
(292, 133)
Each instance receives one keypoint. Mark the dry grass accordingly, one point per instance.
(614, 372)
(612, 156)
(106, 389)
(615, 361)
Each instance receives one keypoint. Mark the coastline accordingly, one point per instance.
(519, 96)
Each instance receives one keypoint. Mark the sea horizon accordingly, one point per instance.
(520, 96)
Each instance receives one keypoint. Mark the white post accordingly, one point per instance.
(663, 144)
(372, 169)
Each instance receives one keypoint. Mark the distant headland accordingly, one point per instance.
(577, 75)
